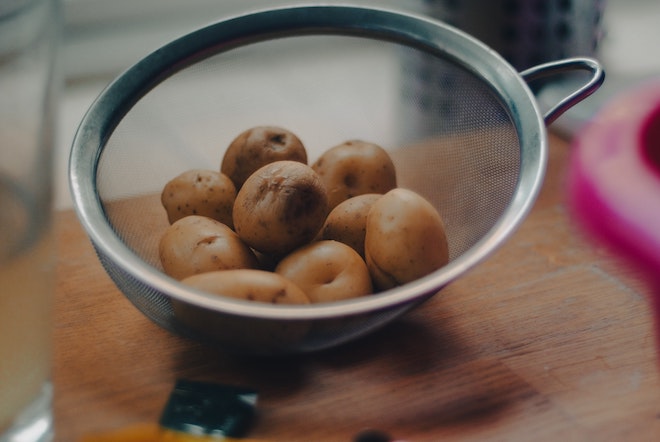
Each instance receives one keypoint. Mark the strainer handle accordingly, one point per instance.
(562, 66)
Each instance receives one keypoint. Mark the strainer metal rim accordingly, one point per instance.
(378, 23)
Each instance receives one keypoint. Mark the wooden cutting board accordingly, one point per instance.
(549, 339)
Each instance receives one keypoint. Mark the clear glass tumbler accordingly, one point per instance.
(29, 35)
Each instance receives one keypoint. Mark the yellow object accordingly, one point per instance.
(155, 433)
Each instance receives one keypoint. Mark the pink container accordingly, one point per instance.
(614, 180)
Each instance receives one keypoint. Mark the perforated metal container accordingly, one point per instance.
(527, 32)
(327, 73)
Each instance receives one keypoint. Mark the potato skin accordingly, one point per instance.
(199, 192)
(264, 336)
(197, 244)
(257, 147)
(250, 285)
(280, 207)
(347, 222)
(327, 271)
(405, 239)
(354, 168)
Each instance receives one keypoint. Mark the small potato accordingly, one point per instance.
(280, 207)
(197, 244)
(250, 285)
(347, 222)
(264, 336)
(355, 168)
(327, 271)
(257, 147)
(405, 239)
(199, 192)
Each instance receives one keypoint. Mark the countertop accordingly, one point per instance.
(549, 339)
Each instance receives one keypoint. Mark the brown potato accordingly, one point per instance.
(197, 244)
(355, 168)
(257, 147)
(327, 271)
(347, 222)
(280, 207)
(405, 239)
(250, 285)
(265, 337)
(199, 192)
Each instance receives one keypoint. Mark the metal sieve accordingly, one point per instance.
(327, 73)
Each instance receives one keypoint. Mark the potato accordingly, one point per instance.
(197, 244)
(327, 271)
(354, 168)
(249, 285)
(199, 192)
(257, 147)
(280, 207)
(347, 222)
(265, 336)
(405, 239)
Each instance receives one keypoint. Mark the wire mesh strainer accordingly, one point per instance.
(328, 73)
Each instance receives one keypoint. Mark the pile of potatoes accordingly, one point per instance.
(269, 227)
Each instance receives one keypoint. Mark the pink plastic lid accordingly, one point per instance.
(614, 177)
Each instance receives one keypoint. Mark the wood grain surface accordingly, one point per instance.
(549, 339)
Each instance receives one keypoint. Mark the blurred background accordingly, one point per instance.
(102, 38)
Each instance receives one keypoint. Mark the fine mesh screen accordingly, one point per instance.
(461, 125)
(448, 133)
(450, 136)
